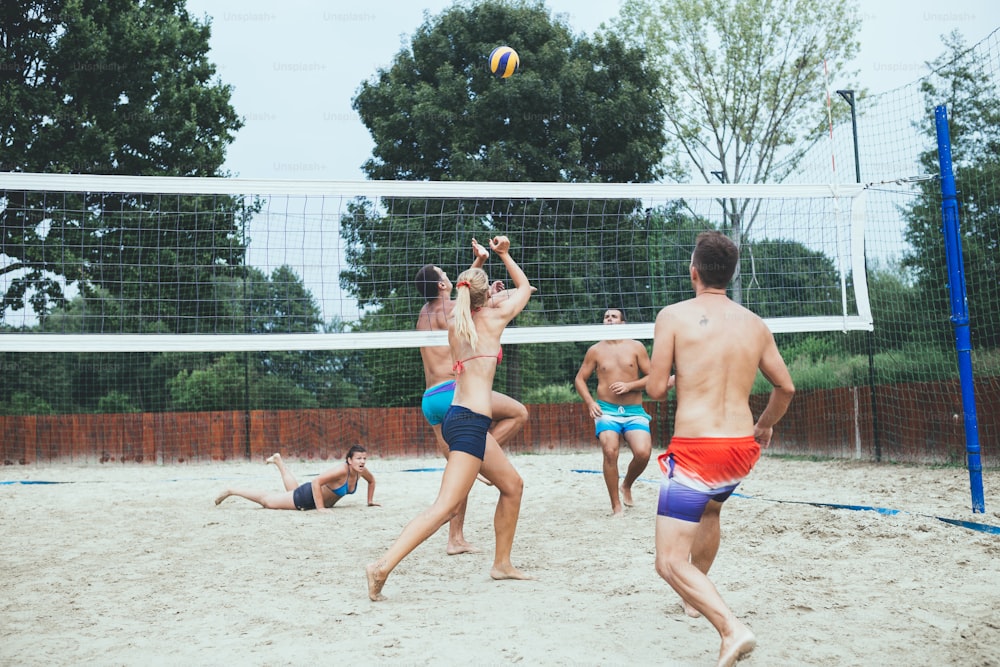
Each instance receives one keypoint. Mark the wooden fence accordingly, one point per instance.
(914, 424)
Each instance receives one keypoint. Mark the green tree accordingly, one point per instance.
(222, 386)
(116, 401)
(21, 403)
(115, 87)
(742, 81)
(34, 379)
(275, 379)
(900, 317)
(152, 382)
(972, 99)
(580, 110)
(742, 84)
(261, 304)
(784, 278)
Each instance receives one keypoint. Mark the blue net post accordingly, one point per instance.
(959, 307)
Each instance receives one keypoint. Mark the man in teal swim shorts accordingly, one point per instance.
(622, 366)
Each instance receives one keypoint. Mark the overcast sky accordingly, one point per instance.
(296, 65)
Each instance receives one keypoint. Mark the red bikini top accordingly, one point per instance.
(460, 365)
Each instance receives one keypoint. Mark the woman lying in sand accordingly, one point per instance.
(321, 493)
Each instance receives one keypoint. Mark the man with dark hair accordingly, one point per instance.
(714, 347)
(429, 276)
(622, 366)
(509, 416)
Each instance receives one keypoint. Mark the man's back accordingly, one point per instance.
(717, 348)
(437, 359)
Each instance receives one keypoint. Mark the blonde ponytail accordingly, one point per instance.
(472, 291)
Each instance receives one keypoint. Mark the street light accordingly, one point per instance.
(848, 96)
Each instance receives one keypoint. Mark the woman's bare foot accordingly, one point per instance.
(484, 480)
(500, 572)
(627, 495)
(737, 646)
(453, 549)
(222, 496)
(376, 580)
(273, 458)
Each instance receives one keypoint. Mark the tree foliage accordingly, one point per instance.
(742, 81)
(973, 103)
(579, 111)
(159, 381)
(110, 87)
(789, 280)
(899, 316)
(114, 87)
(742, 85)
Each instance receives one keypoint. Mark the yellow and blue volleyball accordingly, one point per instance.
(504, 61)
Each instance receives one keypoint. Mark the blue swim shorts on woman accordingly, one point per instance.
(303, 497)
(465, 431)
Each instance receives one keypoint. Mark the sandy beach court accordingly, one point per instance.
(130, 565)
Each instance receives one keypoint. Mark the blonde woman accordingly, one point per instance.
(474, 340)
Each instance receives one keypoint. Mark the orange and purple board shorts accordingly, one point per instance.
(697, 470)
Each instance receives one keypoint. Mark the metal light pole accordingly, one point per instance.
(848, 96)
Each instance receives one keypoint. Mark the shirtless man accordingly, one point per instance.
(618, 411)
(715, 347)
(509, 415)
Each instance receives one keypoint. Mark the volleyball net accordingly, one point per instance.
(177, 319)
(229, 264)
(144, 295)
(174, 319)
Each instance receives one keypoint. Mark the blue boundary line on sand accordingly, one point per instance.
(971, 525)
(29, 482)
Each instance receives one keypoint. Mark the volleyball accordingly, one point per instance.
(504, 61)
